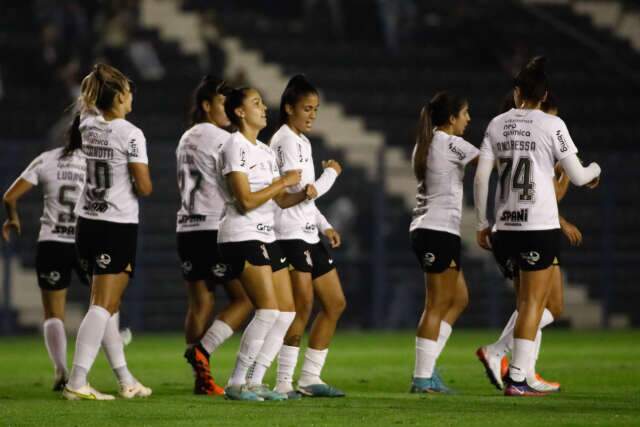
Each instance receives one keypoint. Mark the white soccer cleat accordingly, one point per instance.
(542, 386)
(86, 392)
(492, 366)
(134, 390)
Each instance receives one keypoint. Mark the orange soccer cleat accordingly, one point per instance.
(198, 358)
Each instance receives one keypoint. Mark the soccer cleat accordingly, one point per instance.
(504, 367)
(440, 387)
(541, 384)
(492, 366)
(320, 390)
(287, 388)
(522, 389)
(240, 392)
(60, 381)
(198, 358)
(423, 385)
(86, 392)
(263, 391)
(134, 390)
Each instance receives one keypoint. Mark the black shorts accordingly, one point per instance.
(106, 247)
(54, 263)
(531, 250)
(200, 258)
(307, 258)
(236, 254)
(436, 250)
(506, 265)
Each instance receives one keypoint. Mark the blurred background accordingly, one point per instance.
(376, 63)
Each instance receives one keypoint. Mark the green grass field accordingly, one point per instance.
(599, 371)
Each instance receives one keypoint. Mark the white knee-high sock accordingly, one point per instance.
(523, 352)
(218, 333)
(287, 361)
(55, 339)
(113, 347)
(271, 346)
(88, 342)
(251, 342)
(505, 342)
(426, 355)
(443, 336)
(312, 367)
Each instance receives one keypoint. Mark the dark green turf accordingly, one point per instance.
(599, 371)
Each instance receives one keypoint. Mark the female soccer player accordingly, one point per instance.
(252, 186)
(439, 158)
(197, 232)
(61, 174)
(493, 356)
(525, 144)
(311, 267)
(106, 235)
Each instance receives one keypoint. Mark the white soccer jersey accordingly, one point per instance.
(439, 197)
(258, 162)
(293, 152)
(201, 203)
(62, 181)
(526, 144)
(109, 147)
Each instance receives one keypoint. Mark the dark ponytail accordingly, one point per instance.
(297, 87)
(435, 114)
(74, 139)
(206, 90)
(550, 103)
(235, 98)
(532, 80)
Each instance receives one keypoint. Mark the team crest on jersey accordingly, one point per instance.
(532, 257)
(429, 259)
(103, 260)
(307, 256)
(264, 251)
(219, 270)
(52, 278)
(187, 267)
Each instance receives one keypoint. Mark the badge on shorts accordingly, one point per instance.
(264, 251)
(429, 259)
(103, 260)
(532, 257)
(52, 278)
(307, 255)
(219, 270)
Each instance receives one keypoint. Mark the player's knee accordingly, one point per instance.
(293, 340)
(555, 308)
(336, 308)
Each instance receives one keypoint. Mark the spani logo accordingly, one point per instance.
(429, 259)
(532, 257)
(103, 260)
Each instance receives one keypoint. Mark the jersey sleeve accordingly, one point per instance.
(486, 149)
(463, 151)
(562, 143)
(137, 147)
(32, 173)
(288, 156)
(234, 158)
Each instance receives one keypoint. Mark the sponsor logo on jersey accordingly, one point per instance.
(521, 215)
(532, 257)
(428, 259)
(455, 150)
(191, 219)
(264, 227)
(52, 278)
(68, 230)
(310, 228)
(563, 143)
(103, 260)
(133, 148)
(307, 257)
(219, 270)
(264, 251)
(511, 129)
(187, 267)
(95, 207)
(243, 158)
